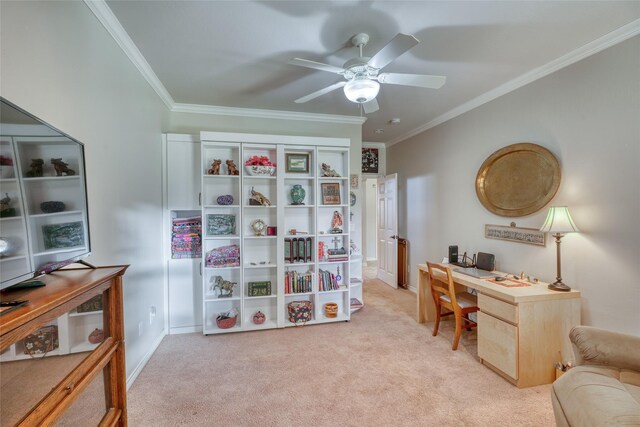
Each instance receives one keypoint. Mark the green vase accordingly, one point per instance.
(297, 195)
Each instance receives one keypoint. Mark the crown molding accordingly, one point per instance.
(617, 36)
(266, 114)
(104, 14)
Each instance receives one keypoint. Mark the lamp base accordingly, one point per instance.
(559, 286)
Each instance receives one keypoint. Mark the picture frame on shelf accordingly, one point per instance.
(221, 224)
(65, 235)
(330, 193)
(297, 162)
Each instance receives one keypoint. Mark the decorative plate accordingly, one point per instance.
(353, 198)
(518, 180)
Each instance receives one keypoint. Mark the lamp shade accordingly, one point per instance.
(361, 90)
(559, 221)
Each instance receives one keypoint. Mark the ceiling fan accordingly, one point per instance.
(363, 75)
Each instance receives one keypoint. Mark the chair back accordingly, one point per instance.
(442, 284)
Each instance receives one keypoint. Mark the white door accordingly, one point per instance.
(388, 230)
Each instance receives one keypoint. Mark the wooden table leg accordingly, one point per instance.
(426, 307)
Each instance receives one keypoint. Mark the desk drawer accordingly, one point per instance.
(498, 344)
(500, 309)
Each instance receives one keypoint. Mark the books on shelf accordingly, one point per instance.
(297, 283)
(186, 238)
(327, 281)
(356, 303)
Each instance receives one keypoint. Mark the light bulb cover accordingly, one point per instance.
(361, 90)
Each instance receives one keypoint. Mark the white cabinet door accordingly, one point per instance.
(185, 296)
(183, 174)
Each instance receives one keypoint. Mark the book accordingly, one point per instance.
(356, 303)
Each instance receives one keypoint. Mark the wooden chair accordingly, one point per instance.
(444, 295)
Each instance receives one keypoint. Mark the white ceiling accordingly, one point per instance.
(234, 53)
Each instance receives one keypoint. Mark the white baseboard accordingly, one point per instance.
(413, 289)
(145, 359)
(185, 330)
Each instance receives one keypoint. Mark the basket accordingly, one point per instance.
(225, 322)
(300, 311)
(256, 170)
(331, 309)
(42, 341)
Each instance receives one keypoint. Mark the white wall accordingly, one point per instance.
(59, 63)
(588, 115)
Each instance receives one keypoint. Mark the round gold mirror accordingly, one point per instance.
(518, 180)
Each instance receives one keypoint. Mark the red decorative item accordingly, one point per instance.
(97, 336)
(259, 161)
(224, 322)
(259, 318)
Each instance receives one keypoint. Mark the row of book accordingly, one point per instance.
(296, 283)
(186, 238)
(327, 281)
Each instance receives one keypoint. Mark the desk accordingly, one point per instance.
(520, 330)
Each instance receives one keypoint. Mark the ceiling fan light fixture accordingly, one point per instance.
(361, 90)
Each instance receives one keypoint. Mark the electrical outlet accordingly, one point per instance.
(152, 314)
(140, 328)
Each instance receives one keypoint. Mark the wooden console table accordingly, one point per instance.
(64, 291)
(521, 330)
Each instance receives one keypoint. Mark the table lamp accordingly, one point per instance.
(559, 223)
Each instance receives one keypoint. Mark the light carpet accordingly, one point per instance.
(381, 368)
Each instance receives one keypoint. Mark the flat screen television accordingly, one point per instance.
(44, 222)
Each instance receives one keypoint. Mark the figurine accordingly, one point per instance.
(5, 207)
(321, 251)
(35, 170)
(231, 168)
(336, 223)
(62, 167)
(225, 286)
(327, 171)
(215, 167)
(258, 199)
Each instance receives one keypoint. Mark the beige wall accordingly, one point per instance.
(59, 63)
(588, 115)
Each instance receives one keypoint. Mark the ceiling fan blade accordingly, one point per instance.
(320, 92)
(316, 65)
(371, 106)
(396, 47)
(419, 80)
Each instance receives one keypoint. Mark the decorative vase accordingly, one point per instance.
(52, 206)
(297, 195)
(97, 336)
(259, 318)
(226, 199)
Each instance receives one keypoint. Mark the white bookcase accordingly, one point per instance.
(262, 258)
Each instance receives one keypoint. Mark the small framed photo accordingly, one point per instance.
(297, 162)
(330, 193)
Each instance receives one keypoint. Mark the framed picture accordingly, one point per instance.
(330, 193)
(369, 160)
(531, 236)
(67, 235)
(221, 224)
(297, 162)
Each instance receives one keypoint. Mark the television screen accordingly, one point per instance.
(43, 199)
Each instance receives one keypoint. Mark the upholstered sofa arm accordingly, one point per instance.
(594, 346)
